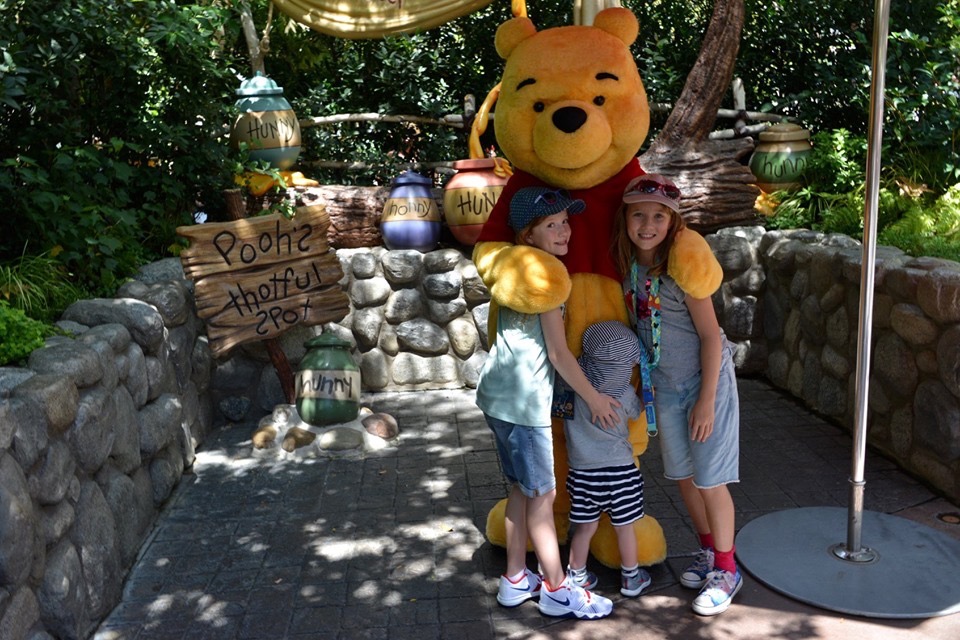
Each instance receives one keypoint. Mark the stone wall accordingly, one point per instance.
(417, 321)
(95, 433)
(791, 302)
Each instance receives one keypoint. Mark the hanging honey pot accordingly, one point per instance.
(266, 124)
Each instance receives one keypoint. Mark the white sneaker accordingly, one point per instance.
(570, 601)
(718, 593)
(512, 594)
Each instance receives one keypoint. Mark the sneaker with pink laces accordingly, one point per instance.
(717, 594)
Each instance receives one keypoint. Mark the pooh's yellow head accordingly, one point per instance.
(572, 110)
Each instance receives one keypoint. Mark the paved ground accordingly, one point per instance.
(392, 545)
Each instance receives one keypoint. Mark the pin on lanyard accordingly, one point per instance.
(647, 392)
(652, 309)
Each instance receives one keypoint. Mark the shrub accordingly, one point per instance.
(113, 122)
(19, 335)
(932, 230)
(38, 285)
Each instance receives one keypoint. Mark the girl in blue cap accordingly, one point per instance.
(515, 393)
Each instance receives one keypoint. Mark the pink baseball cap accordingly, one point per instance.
(653, 187)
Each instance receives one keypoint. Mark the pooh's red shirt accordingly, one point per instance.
(591, 231)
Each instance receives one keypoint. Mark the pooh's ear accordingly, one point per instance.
(616, 21)
(511, 33)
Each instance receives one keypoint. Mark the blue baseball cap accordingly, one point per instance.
(531, 203)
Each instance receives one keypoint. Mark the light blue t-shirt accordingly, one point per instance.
(516, 383)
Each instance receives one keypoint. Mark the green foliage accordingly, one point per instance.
(833, 201)
(837, 162)
(114, 116)
(812, 62)
(426, 74)
(19, 334)
(38, 285)
(929, 230)
(112, 128)
(808, 61)
(923, 91)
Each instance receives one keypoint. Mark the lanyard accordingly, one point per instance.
(651, 308)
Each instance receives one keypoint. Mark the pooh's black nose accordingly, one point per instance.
(569, 119)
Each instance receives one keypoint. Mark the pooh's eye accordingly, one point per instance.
(539, 107)
(599, 100)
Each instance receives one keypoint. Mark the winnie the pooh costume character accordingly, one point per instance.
(572, 113)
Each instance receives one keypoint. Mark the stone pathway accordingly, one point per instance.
(391, 545)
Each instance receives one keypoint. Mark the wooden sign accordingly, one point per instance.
(258, 277)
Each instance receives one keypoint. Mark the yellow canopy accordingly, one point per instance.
(375, 18)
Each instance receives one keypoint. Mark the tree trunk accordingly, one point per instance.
(256, 48)
(695, 113)
(718, 187)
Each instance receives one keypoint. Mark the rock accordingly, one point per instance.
(382, 425)
(265, 437)
(141, 319)
(296, 438)
(341, 439)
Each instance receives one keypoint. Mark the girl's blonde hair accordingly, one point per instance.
(625, 252)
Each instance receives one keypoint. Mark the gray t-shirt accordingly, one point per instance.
(679, 340)
(610, 351)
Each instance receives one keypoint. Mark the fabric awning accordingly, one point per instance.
(375, 18)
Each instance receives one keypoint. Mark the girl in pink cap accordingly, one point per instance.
(687, 361)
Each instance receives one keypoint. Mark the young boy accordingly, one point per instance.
(603, 474)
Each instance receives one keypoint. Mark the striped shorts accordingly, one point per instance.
(617, 491)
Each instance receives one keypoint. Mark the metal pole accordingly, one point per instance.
(853, 550)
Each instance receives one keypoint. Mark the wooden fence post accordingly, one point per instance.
(237, 209)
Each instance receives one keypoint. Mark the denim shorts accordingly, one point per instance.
(712, 463)
(526, 456)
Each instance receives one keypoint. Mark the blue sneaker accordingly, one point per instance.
(631, 586)
(512, 594)
(718, 592)
(695, 576)
(570, 601)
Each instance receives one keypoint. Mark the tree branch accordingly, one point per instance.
(250, 35)
(696, 110)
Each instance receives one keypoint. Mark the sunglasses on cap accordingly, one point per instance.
(649, 186)
(551, 197)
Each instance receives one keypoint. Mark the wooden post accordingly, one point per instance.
(237, 209)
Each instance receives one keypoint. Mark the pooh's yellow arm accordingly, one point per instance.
(522, 278)
(693, 266)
